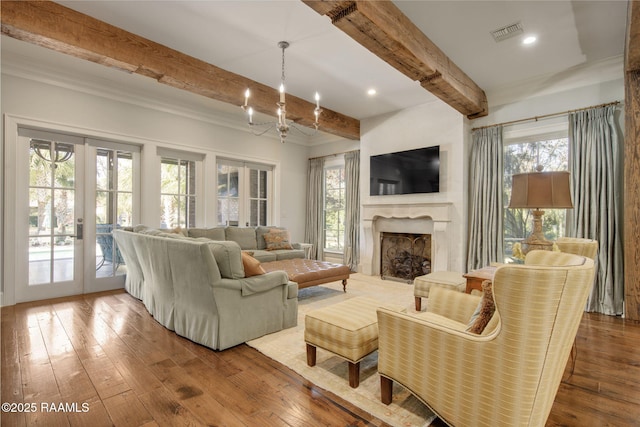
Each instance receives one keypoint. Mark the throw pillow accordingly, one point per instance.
(484, 311)
(277, 239)
(251, 265)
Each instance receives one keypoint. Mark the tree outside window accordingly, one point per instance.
(523, 157)
(334, 208)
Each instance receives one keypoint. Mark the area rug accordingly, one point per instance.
(331, 372)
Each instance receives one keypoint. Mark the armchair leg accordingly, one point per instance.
(311, 355)
(418, 303)
(344, 285)
(386, 387)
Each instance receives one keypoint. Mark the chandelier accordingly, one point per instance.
(281, 125)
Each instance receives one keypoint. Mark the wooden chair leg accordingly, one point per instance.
(311, 355)
(418, 303)
(386, 387)
(344, 285)
(354, 374)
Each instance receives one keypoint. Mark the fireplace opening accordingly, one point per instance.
(404, 256)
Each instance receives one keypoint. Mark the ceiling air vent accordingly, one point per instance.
(507, 32)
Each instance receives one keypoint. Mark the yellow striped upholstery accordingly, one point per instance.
(508, 376)
(578, 246)
(348, 329)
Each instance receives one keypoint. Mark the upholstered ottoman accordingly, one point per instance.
(310, 272)
(446, 279)
(348, 329)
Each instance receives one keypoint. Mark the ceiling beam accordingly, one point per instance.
(383, 29)
(632, 49)
(64, 30)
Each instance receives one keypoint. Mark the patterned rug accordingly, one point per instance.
(331, 372)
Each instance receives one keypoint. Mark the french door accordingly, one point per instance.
(71, 193)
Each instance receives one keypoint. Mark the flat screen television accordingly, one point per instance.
(405, 172)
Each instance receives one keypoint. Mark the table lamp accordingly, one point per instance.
(536, 191)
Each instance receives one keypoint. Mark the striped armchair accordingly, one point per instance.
(508, 375)
(578, 246)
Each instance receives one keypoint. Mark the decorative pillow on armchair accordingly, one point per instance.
(484, 311)
(277, 239)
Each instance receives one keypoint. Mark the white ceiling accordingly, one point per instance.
(241, 36)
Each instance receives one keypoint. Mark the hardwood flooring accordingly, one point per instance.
(105, 358)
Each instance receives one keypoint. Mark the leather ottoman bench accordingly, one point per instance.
(348, 329)
(310, 272)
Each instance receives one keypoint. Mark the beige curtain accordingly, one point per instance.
(594, 163)
(352, 210)
(313, 232)
(486, 204)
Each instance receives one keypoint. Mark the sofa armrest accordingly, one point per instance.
(256, 284)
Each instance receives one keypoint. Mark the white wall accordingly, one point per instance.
(426, 125)
(153, 127)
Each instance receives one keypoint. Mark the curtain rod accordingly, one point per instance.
(334, 154)
(536, 118)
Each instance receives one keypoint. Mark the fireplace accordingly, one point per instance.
(404, 256)
(412, 218)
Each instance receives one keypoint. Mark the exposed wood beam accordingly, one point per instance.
(632, 49)
(383, 29)
(59, 28)
(632, 164)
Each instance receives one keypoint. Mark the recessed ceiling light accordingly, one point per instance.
(371, 92)
(529, 40)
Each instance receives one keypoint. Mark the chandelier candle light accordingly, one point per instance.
(281, 125)
(536, 190)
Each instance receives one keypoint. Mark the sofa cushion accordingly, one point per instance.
(228, 257)
(216, 233)
(277, 239)
(264, 256)
(251, 265)
(287, 253)
(245, 237)
(261, 230)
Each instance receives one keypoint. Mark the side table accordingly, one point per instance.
(307, 247)
(476, 277)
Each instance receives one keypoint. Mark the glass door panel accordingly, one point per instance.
(113, 208)
(53, 213)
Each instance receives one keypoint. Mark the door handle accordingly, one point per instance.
(79, 227)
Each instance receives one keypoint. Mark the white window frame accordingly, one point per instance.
(335, 163)
(198, 159)
(244, 190)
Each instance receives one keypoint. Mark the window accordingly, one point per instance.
(179, 175)
(520, 157)
(177, 193)
(334, 208)
(244, 193)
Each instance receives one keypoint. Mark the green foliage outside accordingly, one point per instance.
(334, 205)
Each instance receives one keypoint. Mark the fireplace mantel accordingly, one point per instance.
(439, 216)
(438, 212)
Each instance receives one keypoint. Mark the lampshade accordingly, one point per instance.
(536, 190)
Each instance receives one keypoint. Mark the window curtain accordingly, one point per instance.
(486, 204)
(313, 226)
(596, 188)
(352, 210)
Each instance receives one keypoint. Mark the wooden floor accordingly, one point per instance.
(109, 363)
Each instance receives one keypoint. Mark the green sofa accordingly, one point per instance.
(250, 239)
(197, 288)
